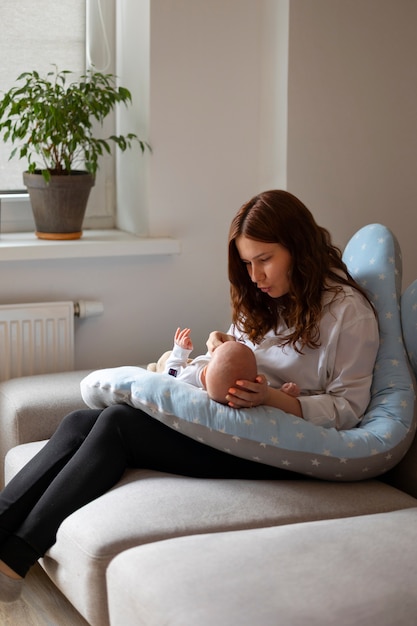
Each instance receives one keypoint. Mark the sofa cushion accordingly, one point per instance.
(347, 572)
(155, 506)
(31, 407)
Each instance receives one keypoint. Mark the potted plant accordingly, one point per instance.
(51, 121)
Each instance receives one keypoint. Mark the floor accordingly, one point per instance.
(41, 604)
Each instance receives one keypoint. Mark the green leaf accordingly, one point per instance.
(53, 118)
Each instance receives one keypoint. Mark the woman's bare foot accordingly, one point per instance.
(11, 584)
(8, 571)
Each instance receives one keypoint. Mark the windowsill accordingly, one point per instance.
(94, 243)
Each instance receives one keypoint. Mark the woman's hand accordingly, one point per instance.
(247, 394)
(216, 338)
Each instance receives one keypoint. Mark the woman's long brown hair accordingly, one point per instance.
(279, 217)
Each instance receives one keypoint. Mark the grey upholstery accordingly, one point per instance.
(31, 407)
(349, 572)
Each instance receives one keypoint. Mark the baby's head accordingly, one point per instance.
(231, 361)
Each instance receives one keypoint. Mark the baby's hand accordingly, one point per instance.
(182, 338)
(291, 389)
(216, 338)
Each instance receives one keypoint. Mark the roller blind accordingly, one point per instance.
(35, 35)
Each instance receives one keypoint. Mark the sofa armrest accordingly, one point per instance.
(31, 407)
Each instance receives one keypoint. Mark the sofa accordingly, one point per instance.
(162, 549)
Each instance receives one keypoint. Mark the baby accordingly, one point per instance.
(218, 372)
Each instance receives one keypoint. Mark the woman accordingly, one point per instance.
(293, 303)
(306, 319)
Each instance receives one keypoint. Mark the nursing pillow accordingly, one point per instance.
(269, 435)
(409, 322)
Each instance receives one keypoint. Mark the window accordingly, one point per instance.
(70, 34)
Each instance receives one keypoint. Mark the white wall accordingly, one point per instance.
(204, 129)
(218, 140)
(273, 94)
(352, 140)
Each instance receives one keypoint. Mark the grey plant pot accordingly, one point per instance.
(59, 205)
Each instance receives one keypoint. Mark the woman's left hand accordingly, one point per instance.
(248, 394)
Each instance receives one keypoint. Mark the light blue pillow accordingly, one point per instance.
(409, 322)
(276, 438)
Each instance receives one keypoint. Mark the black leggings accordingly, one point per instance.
(86, 456)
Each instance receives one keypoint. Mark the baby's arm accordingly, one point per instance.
(182, 338)
(291, 389)
(178, 359)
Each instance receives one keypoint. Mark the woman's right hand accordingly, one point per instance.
(216, 338)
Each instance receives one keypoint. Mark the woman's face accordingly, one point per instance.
(268, 265)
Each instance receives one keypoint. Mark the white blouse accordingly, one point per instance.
(335, 379)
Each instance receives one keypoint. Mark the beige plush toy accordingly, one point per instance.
(159, 366)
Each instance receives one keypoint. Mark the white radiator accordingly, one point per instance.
(36, 338)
